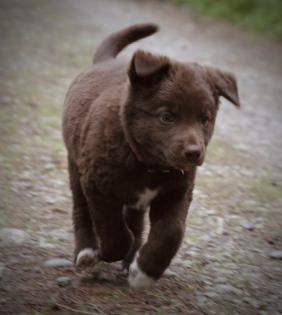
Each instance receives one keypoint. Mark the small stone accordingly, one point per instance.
(11, 236)
(171, 274)
(58, 263)
(188, 264)
(247, 225)
(211, 294)
(220, 226)
(58, 182)
(104, 277)
(51, 201)
(276, 254)
(63, 281)
(59, 210)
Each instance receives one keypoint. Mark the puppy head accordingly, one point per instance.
(170, 112)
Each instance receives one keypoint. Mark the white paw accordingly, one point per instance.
(137, 278)
(87, 257)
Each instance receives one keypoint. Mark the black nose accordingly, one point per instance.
(192, 153)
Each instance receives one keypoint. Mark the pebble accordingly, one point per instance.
(188, 264)
(63, 281)
(170, 274)
(220, 226)
(276, 254)
(11, 236)
(58, 263)
(211, 294)
(104, 277)
(51, 200)
(247, 225)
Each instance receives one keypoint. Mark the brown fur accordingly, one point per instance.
(134, 125)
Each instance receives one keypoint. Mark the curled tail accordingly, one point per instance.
(112, 45)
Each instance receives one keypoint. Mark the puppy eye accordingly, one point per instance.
(167, 117)
(204, 118)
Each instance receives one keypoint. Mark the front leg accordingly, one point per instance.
(107, 214)
(135, 222)
(167, 217)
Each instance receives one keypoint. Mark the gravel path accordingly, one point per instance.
(230, 261)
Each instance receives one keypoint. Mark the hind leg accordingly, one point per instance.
(135, 221)
(86, 246)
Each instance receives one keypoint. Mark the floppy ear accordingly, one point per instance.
(224, 84)
(146, 69)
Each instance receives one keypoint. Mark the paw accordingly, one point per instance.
(137, 278)
(87, 257)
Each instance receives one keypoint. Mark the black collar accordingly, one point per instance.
(160, 169)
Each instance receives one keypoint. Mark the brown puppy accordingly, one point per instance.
(135, 133)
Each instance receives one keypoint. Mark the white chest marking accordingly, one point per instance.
(145, 198)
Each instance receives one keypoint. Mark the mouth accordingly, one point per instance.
(182, 164)
(186, 166)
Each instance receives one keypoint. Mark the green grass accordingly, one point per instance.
(259, 15)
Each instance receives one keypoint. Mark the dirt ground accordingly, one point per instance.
(230, 260)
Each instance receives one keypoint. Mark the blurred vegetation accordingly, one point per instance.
(259, 15)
